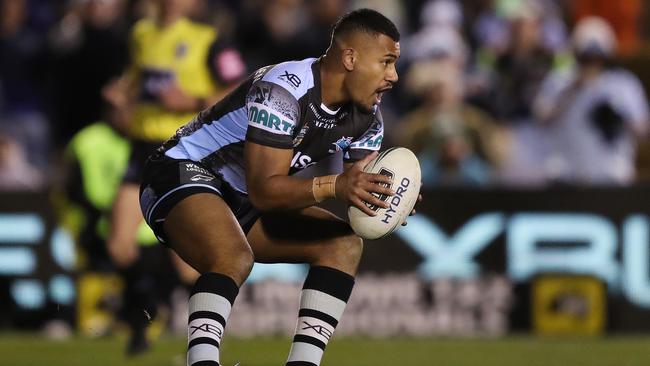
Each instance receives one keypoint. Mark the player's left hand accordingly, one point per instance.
(413, 212)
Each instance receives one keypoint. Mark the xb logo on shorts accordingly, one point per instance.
(201, 177)
(292, 79)
(319, 329)
(198, 173)
(207, 328)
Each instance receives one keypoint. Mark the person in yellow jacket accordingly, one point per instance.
(96, 159)
(178, 67)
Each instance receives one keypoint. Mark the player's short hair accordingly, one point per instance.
(365, 20)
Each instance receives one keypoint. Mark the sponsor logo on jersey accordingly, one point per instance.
(372, 138)
(341, 144)
(292, 79)
(301, 161)
(396, 200)
(267, 119)
(371, 143)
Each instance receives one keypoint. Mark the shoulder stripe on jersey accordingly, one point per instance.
(229, 129)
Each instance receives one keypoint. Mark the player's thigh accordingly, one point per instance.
(312, 235)
(204, 232)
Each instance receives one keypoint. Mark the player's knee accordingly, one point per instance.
(247, 259)
(354, 248)
(346, 250)
(237, 264)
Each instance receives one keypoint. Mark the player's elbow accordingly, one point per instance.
(259, 201)
(263, 199)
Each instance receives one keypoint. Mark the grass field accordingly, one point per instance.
(27, 350)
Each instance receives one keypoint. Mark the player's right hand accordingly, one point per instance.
(355, 187)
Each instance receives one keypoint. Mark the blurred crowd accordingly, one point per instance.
(507, 92)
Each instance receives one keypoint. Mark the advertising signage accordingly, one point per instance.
(483, 261)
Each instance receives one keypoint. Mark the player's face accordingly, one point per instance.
(374, 72)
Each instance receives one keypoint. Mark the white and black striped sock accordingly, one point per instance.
(324, 295)
(212, 297)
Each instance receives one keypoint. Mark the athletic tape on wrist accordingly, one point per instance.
(324, 187)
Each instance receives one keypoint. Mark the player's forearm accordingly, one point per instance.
(291, 193)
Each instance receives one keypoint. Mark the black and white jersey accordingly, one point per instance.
(278, 106)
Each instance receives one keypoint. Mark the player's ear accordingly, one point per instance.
(349, 58)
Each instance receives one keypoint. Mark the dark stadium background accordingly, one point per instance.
(511, 258)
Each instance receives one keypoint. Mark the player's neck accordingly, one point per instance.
(333, 93)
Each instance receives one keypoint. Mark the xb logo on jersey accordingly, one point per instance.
(293, 79)
(341, 144)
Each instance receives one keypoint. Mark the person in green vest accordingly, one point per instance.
(96, 159)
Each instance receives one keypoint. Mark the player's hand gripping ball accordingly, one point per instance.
(404, 168)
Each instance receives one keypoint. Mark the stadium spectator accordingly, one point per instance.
(457, 144)
(91, 32)
(623, 16)
(516, 62)
(439, 38)
(96, 159)
(322, 13)
(23, 67)
(595, 112)
(178, 68)
(16, 174)
(269, 33)
(520, 43)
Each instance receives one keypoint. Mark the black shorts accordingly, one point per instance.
(140, 152)
(167, 181)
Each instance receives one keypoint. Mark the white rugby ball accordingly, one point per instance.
(403, 166)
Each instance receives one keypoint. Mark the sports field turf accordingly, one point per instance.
(27, 350)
